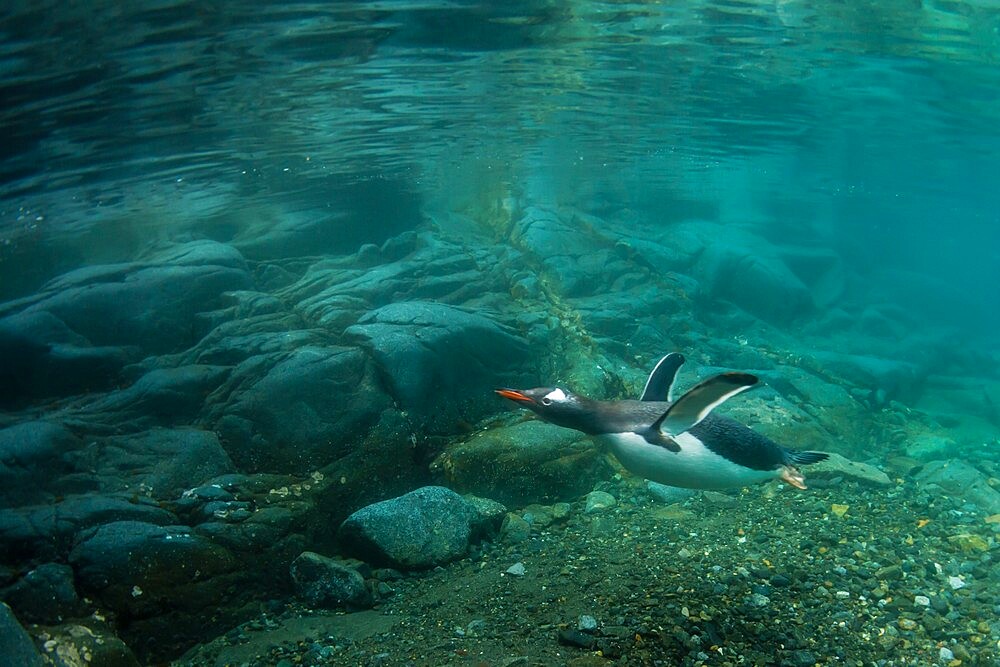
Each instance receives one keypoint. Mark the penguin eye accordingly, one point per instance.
(546, 401)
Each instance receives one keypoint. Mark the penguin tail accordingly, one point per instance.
(805, 458)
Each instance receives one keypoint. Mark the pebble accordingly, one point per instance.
(803, 658)
(907, 624)
(921, 600)
(586, 623)
(758, 600)
(956, 583)
(946, 654)
(843, 595)
(780, 581)
(598, 501)
(576, 638)
(517, 569)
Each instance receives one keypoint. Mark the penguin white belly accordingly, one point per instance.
(694, 467)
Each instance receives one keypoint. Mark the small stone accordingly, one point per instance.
(780, 581)
(839, 510)
(907, 624)
(598, 501)
(516, 570)
(803, 659)
(969, 543)
(514, 528)
(576, 638)
(843, 595)
(956, 583)
(921, 600)
(668, 494)
(946, 654)
(722, 500)
(758, 600)
(586, 623)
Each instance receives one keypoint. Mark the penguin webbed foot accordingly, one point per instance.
(791, 475)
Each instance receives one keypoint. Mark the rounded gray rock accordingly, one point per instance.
(426, 527)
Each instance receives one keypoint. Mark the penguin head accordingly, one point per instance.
(553, 404)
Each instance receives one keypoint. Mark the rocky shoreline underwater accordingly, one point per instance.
(245, 448)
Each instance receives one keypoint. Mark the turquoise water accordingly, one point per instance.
(869, 129)
(263, 264)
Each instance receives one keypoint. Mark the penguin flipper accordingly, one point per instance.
(660, 384)
(700, 400)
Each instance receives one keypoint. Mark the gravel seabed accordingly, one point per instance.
(838, 575)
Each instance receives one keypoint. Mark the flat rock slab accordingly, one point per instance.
(839, 466)
(960, 479)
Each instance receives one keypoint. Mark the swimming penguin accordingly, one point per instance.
(674, 442)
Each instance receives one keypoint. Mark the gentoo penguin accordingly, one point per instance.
(674, 442)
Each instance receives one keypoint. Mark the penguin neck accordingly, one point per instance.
(591, 417)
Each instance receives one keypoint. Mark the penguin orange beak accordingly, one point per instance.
(514, 395)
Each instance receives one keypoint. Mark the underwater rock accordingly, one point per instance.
(47, 532)
(82, 643)
(668, 494)
(610, 318)
(163, 462)
(334, 295)
(418, 530)
(888, 379)
(33, 457)
(16, 646)
(820, 269)
(438, 361)
(489, 516)
(570, 249)
(838, 466)
(161, 396)
(323, 582)
(523, 463)
(961, 480)
(152, 305)
(40, 357)
(45, 595)
(301, 412)
(737, 266)
(143, 570)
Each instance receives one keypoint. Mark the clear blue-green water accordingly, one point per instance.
(263, 264)
(868, 127)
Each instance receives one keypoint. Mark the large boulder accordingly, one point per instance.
(575, 256)
(418, 530)
(47, 532)
(162, 396)
(143, 570)
(41, 357)
(33, 457)
(16, 646)
(524, 463)
(162, 462)
(440, 362)
(323, 582)
(302, 411)
(45, 594)
(154, 305)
